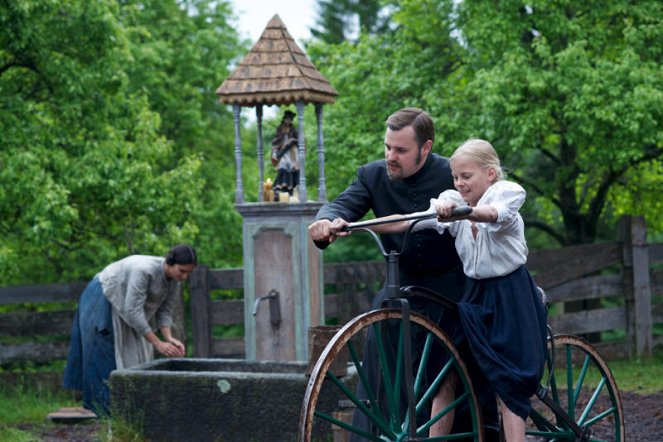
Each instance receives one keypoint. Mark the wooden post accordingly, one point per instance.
(261, 162)
(239, 191)
(627, 274)
(637, 286)
(179, 322)
(322, 186)
(200, 312)
(641, 287)
(301, 152)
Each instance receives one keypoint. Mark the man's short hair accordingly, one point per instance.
(421, 122)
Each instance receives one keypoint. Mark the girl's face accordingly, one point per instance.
(470, 179)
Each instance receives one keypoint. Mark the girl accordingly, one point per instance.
(502, 317)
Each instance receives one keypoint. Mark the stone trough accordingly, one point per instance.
(214, 400)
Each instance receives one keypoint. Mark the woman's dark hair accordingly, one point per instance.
(421, 122)
(182, 254)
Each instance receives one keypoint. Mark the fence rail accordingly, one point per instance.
(628, 273)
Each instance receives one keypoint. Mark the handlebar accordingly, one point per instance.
(458, 211)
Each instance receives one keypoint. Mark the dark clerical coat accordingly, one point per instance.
(430, 259)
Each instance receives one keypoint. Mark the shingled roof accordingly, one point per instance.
(275, 71)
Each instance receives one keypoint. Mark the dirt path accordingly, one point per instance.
(643, 414)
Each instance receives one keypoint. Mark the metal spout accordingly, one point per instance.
(274, 306)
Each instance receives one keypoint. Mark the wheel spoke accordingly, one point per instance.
(361, 373)
(441, 414)
(347, 426)
(385, 370)
(591, 402)
(422, 364)
(434, 386)
(581, 379)
(398, 377)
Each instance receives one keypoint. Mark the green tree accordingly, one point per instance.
(181, 52)
(572, 94)
(569, 93)
(381, 73)
(85, 177)
(341, 20)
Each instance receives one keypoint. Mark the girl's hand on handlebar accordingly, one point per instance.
(450, 211)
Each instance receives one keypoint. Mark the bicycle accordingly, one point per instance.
(397, 404)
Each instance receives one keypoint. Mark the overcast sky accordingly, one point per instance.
(297, 15)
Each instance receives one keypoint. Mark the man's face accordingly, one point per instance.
(402, 154)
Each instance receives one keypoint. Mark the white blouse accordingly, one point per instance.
(500, 247)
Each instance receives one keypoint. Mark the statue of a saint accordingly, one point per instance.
(285, 156)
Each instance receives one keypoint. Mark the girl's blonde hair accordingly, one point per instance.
(483, 153)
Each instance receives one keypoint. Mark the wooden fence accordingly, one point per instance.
(626, 274)
(624, 279)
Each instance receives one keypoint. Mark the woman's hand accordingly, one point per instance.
(170, 349)
(180, 347)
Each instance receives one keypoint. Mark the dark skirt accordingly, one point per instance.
(92, 354)
(504, 327)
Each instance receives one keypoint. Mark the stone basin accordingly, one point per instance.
(214, 400)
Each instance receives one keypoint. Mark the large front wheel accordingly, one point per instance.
(371, 401)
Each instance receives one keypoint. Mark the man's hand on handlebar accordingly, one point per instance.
(321, 231)
(338, 227)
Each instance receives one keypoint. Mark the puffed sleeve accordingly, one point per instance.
(507, 198)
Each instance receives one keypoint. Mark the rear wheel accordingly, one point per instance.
(332, 399)
(583, 386)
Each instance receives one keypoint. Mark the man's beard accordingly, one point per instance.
(393, 177)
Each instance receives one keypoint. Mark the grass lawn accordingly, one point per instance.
(31, 405)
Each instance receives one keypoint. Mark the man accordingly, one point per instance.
(404, 182)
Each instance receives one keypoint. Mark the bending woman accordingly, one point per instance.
(111, 327)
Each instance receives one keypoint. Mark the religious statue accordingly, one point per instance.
(285, 156)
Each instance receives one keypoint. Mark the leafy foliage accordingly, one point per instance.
(569, 94)
(113, 141)
(182, 51)
(340, 20)
(102, 151)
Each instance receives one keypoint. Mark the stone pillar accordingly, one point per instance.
(279, 257)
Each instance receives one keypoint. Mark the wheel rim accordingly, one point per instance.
(583, 386)
(386, 412)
